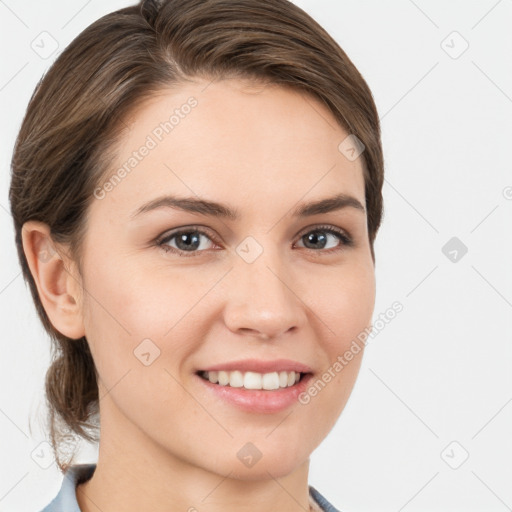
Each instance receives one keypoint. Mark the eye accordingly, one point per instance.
(189, 241)
(319, 236)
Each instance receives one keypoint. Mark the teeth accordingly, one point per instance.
(270, 381)
(236, 379)
(253, 380)
(223, 378)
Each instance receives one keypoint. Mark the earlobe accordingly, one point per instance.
(56, 278)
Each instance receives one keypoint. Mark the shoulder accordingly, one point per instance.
(65, 501)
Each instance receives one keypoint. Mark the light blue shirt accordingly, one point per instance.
(65, 501)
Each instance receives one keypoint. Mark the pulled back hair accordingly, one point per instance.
(75, 116)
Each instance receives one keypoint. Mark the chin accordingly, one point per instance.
(273, 465)
(262, 471)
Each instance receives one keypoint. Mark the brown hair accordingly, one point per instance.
(75, 116)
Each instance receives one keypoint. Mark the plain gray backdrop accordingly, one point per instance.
(428, 425)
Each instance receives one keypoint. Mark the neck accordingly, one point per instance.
(133, 473)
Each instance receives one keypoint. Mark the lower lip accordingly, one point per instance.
(258, 400)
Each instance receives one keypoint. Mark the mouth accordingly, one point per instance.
(255, 385)
(271, 381)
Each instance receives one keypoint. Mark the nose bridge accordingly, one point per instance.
(261, 297)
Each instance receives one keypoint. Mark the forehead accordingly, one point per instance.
(231, 141)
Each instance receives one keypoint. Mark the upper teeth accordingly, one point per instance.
(253, 380)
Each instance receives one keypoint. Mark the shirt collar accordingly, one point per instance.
(66, 499)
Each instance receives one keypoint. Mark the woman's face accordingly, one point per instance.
(266, 285)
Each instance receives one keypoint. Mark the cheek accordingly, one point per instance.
(346, 309)
(126, 328)
(346, 302)
(123, 308)
(134, 300)
(141, 325)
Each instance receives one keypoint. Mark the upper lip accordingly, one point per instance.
(261, 366)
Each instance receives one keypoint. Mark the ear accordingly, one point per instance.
(56, 278)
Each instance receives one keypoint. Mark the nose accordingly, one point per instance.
(262, 301)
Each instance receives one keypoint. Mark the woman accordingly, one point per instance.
(196, 192)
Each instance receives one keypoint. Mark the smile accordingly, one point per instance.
(252, 380)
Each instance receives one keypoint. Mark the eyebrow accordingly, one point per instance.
(214, 209)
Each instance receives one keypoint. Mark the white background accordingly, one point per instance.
(441, 371)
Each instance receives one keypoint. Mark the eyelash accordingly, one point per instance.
(346, 241)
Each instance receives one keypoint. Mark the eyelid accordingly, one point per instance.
(326, 227)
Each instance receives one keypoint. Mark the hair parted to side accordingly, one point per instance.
(75, 118)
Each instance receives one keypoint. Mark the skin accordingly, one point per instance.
(166, 444)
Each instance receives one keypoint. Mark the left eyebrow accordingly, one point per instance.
(327, 205)
(214, 209)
